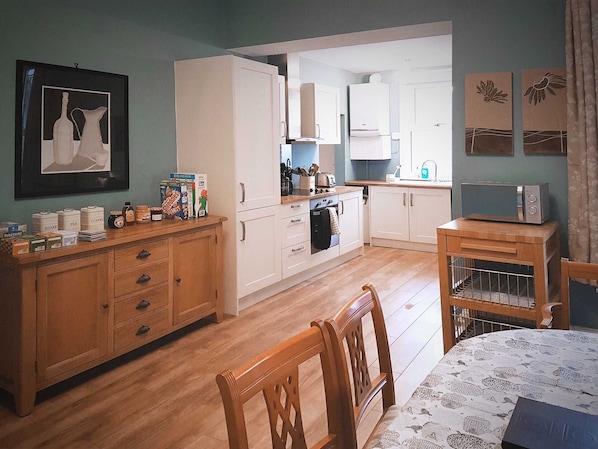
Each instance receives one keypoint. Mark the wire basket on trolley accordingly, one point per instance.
(470, 323)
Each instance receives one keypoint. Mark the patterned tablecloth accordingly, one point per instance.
(467, 400)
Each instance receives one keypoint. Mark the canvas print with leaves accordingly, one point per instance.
(489, 113)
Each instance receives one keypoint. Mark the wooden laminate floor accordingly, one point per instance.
(165, 395)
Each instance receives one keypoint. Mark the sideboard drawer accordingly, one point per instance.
(140, 254)
(142, 304)
(140, 278)
(139, 331)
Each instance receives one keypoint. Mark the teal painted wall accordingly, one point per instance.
(488, 36)
(61, 32)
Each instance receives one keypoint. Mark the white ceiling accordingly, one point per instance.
(417, 47)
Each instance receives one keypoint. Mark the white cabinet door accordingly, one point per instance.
(256, 129)
(320, 113)
(258, 249)
(350, 215)
(389, 212)
(408, 214)
(429, 208)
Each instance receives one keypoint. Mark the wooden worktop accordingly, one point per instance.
(423, 184)
(116, 237)
(337, 191)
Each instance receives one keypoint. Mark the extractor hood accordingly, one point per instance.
(288, 66)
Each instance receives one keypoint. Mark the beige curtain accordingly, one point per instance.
(582, 141)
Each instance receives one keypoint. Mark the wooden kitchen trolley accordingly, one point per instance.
(495, 276)
(65, 310)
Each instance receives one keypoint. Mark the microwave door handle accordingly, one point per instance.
(520, 214)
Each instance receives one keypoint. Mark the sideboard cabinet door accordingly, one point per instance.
(72, 314)
(196, 267)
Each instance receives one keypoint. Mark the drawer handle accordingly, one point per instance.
(143, 254)
(297, 220)
(178, 280)
(494, 249)
(105, 306)
(143, 305)
(143, 330)
(143, 279)
(301, 248)
(295, 206)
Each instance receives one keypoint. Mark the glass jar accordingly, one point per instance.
(116, 220)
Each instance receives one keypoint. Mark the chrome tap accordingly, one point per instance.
(435, 178)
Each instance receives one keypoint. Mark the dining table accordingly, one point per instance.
(467, 400)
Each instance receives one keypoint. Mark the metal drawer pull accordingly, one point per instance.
(297, 220)
(143, 305)
(301, 248)
(295, 206)
(143, 254)
(143, 330)
(143, 279)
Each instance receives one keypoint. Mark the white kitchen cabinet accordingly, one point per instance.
(350, 216)
(321, 113)
(228, 126)
(407, 214)
(258, 247)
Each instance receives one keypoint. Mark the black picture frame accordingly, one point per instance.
(55, 158)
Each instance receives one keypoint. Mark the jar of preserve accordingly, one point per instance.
(116, 220)
(142, 214)
(156, 213)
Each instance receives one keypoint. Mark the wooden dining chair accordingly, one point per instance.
(556, 315)
(347, 337)
(275, 374)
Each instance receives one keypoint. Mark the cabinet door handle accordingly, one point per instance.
(411, 199)
(317, 130)
(143, 279)
(243, 226)
(143, 330)
(143, 304)
(404, 199)
(283, 128)
(143, 254)
(105, 306)
(178, 280)
(242, 192)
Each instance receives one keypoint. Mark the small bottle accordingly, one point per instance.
(129, 214)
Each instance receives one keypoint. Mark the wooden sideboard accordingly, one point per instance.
(495, 276)
(65, 310)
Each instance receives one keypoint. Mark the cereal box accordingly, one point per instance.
(173, 194)
(198, 195)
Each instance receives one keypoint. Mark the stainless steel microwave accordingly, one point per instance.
(499, 201)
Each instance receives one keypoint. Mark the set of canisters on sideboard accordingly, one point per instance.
(89, 218)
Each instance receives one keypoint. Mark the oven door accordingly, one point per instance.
(322, 237)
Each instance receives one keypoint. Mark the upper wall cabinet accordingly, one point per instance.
(321, 113)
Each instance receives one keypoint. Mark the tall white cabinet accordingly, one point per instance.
(228, 126)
